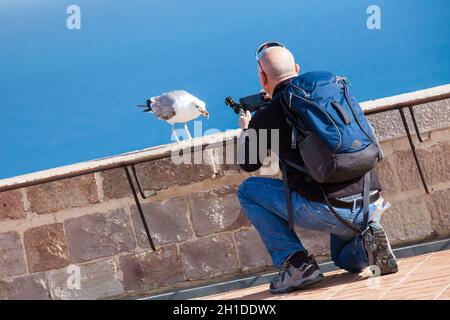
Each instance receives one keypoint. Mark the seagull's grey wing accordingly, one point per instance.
(162, 106)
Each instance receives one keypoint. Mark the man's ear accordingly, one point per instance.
(297, 68)
(263, 77)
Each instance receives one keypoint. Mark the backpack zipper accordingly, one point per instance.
(323, 111)
(354, 113)
(307, 95)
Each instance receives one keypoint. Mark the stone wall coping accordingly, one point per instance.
(164, 151)
(415, 97)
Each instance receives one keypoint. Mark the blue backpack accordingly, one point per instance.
(334, 138)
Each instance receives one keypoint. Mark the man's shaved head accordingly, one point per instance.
(277, 64)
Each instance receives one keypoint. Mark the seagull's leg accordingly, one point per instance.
(187, 131)
(174, 133)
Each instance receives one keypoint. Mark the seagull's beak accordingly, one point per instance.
(146, 108)
(205, 113)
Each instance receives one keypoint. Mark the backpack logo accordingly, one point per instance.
(356, 144)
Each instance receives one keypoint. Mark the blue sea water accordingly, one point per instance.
(69, 95)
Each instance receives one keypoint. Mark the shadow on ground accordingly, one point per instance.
(329, 281)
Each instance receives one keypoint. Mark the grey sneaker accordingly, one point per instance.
(291, 278)
(379, 250)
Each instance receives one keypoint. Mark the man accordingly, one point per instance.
(263, 199)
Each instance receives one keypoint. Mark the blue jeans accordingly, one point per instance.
(263, 202)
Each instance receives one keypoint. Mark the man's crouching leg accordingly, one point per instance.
(371, 249)
(348, 254)
(263, 202)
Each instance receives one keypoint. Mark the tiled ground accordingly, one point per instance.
(421, 277)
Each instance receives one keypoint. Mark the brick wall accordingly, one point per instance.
(91, 222)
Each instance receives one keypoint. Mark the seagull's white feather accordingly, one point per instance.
(177, 106)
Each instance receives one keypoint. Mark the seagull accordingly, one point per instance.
(177, 106)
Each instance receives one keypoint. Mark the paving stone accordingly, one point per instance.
(407, 220)
(154, 175)
(168, 222)
(11, 205)
(46, 247)
(97, 280)
(12, 260)
(208, 257)
(216, 211)
(435, 162)
(54, 196)
(151, 269)
(440, 211)
(115, 184)
(29, 287)
(99, 235)
(251, 250)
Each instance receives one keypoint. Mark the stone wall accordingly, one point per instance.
(90, 223)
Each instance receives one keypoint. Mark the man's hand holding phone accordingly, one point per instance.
(244, 120)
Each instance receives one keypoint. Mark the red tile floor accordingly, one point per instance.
(421, 277)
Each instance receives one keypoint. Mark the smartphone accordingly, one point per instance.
(253, 102)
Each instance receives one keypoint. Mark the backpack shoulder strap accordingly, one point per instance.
(366, 194)
(355, 230)
(287, 194)
(295, 166)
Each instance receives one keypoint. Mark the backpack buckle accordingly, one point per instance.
(365, 230)
(344, 80)
(294, 138)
